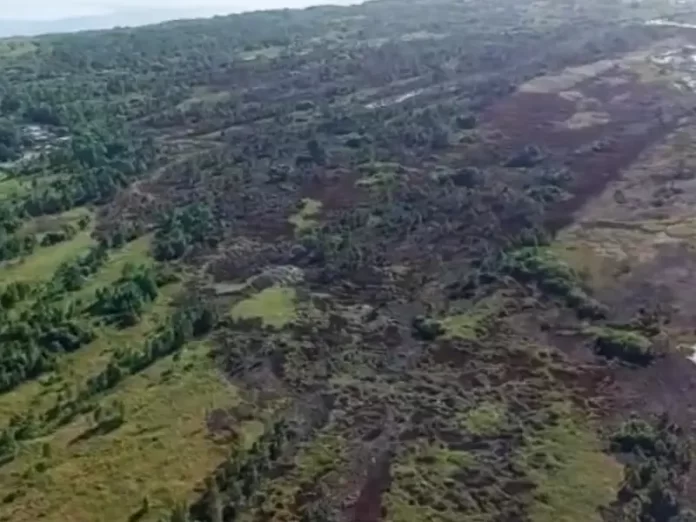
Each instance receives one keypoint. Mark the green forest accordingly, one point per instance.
(403, 261)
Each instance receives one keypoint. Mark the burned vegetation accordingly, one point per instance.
(395, 262)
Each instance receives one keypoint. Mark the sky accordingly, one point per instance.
(54, 10)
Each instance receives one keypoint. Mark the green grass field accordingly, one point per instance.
(41, 264)
(159, 453)
(134, 253)
(16, 47)
(75, 368)
(164, 447)
(579, 477)
(275, 306)
(12, 187)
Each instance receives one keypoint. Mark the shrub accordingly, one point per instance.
(628, 346)
(540, 266)
(427, 329)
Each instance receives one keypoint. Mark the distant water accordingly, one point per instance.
(41, 16)
(42, 10)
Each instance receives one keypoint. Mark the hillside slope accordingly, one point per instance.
(424, 261)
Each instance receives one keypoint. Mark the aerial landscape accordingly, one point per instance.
(401, 261)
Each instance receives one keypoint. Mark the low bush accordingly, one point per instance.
(626, 345)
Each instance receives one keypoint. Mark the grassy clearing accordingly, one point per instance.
(43, 262)
(306, 216)
(75, 368)
(420, 478)
(275, 306)
(465, 326)
(135, 253)
(206, 96)
(472, 323)
(16, 47)
(161, 450)
(269, 53)
(92, 359)
(44, 224)
(600, 256)
(12, 187)
(573, 475)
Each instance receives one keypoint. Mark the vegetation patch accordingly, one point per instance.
(181, 229)
(379, 176)
(423, 480)
(555, 277)
(205, 96)
(485, 419)
(258, 54)
(153, 456)
(76, 368)
(574, 477)
(658, 455)
(306, 217)
(135, 253)
(466, 326)
(124, 301)
(17, 47)
(398, 356)
(44, 261)
(627, 345)
(11, 187)
(315, 463)
(275, 306)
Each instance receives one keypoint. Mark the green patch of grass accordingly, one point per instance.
(473, 321)
(420, 477)
(75, 368)
(93, 359)
(305, 218)
(16, 47)
(574, 476)
(162, 449)
(275, 306)
(465, 326)
(12, 187)
(44, 224)
(267, 52)
(379, 175)
(205, 96)
(135, 253)
(484, 420)
(43, 262)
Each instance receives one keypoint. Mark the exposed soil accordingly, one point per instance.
(638, 115)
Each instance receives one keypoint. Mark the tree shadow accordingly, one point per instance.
(103, 428)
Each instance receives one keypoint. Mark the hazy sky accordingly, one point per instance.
(55, 9)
